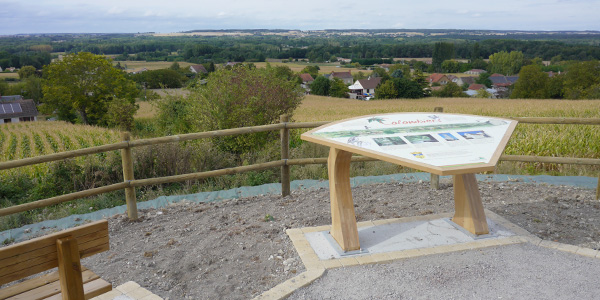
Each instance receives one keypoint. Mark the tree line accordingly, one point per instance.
(35, 50)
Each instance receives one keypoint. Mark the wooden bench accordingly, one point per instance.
(63, 250)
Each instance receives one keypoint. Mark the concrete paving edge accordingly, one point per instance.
(283, 290)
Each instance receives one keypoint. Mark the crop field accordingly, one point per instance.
(29, 139)
(528, 139)
(9, 75)
(324, 68)
(150, 65)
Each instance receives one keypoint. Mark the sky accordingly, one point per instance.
(130, 16)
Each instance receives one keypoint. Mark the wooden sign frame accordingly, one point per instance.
(469, 212)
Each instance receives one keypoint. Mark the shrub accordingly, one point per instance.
(242, 97)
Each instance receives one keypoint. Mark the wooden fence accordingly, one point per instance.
(129, 184)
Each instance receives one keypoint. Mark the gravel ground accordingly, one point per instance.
(521, 271)
(237, 249)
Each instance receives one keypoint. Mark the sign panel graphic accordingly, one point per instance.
(439, 140)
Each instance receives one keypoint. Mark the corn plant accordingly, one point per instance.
(25, 146)
(39, 144)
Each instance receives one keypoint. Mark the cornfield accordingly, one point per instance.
(581, 141)
(29, 139)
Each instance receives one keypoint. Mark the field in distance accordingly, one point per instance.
(132, 65)
(528, 139)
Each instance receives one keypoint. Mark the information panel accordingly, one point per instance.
(440, 140)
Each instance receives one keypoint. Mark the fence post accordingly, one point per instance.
(598, 189)
(127, 162)
(285, 154)
(435, 179)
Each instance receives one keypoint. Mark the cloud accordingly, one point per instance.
(115, 11)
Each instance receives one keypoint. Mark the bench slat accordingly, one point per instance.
(91, 289)
(50, 240)
(39, 264)
(39, 289)
(33, 283)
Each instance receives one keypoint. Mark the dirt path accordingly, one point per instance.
(237, 249)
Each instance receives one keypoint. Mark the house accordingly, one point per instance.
(0, 69)
(344, 60)
(346, 77)
(10, 98)
(512, 79)
(499, 80)
(476, 87)
(468, 80)
(18, 111)
(473, 88)
(306, 81)
(386, 67)
(455, 79)
(364, 88)
(138, 71)
(475, 72)
(232, 63)
(198, 69)
(438, 78)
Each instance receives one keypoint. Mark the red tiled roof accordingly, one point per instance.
(306, 77)
(435, 77)
(476, 86)
(496, 75)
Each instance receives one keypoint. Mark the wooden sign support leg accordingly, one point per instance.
(343, 218)
(468, 209)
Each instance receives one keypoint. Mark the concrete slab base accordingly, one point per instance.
(386, 240)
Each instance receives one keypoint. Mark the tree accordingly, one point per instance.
(242, 97)
(33, 89)
(320, 86)
(397, 73)
(441, 52)
(26, 72)
(82, 85)
(162, 78)
(387, 90)
(506, 63)
(451, 89)
(312, 70)
(408, 88)
(532, 84)
(484, 78)
(450, 66)
(380, 72)
(482, 93)
(582, 80)
(338, 88)
(175, 66)
(120, 114)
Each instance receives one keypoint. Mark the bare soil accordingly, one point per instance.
(237, 249)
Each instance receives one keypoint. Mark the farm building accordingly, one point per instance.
(475, 72)
(306, 81)
(198, 69)
(18, 111)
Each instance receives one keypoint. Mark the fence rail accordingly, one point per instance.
(129, 184)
